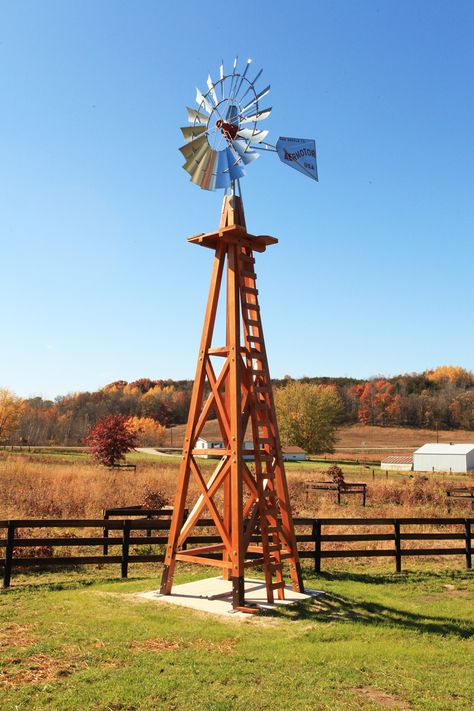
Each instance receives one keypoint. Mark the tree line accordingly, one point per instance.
(443, 398)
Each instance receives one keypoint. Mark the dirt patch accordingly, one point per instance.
(382, 698)
(37, 669)
(226, 646)
(13, 635)
(452, 590)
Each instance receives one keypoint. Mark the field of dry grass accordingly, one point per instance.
(45, 489)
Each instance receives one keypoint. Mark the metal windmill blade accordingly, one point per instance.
(217, 147)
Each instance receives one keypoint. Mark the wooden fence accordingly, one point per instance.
(314, 541)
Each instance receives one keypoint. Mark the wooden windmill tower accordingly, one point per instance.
(248, 502)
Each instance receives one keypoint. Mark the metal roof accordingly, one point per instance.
(445, 449)
(398, 459)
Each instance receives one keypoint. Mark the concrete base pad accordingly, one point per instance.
(215, 595)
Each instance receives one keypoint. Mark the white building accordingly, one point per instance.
(293, 454)
(444, 458)
(204, 444)
(397, 463)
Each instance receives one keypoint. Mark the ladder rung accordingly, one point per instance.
(249, 290)
(253, 307)
(247, 258)
(273, 529)
(248, 274)
(255, 339)
(252, 322)
(274, 547)
(255, 353)
(278, 586)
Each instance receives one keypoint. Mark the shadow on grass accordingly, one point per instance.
(74, 582)
(330, 608)
(404, 578)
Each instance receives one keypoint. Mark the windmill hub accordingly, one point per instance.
(229, 130)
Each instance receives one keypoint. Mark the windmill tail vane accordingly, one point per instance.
(224, 136)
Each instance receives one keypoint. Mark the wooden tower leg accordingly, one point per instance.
(194, 410)
(255, 527)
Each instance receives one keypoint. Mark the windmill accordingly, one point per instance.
(248, 502)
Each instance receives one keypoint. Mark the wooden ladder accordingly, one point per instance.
(266, 515)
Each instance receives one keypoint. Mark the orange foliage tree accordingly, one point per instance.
(150, 433)
(377, 402)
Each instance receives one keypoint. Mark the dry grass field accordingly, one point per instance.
(363, 440)
(37, 487)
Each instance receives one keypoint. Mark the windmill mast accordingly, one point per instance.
(248, 502)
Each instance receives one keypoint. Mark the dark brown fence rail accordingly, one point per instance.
(314, 540)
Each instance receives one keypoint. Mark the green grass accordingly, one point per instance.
(375, 640)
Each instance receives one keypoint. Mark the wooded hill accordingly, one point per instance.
(442, 398)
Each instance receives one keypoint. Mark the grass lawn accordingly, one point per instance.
(374, 640)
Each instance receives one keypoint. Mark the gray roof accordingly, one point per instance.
(445, 449)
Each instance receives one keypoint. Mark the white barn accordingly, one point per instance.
(204, 444)
(444, 458)
(293, 454)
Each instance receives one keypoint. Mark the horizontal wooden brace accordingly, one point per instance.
(214, 562)
(217, 452)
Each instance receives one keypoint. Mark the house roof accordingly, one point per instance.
(293, 450)
(445, 449)
(398, 459)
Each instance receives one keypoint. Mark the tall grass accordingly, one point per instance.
(30, 489)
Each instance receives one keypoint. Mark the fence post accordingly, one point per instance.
(7, 573)
(106, 532)
(365, 494)
(125, 547)
(339, 494)
(317, 545)
(398, 547)
(467, 526)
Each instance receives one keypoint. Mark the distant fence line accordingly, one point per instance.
(314, 541)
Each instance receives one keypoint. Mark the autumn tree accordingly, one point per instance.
(308, 415)
(11, 410)
(111, 438)
(150, 433)
(451, 374)
(462, 410)
(377, 402)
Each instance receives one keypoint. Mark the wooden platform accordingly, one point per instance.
(214, 595)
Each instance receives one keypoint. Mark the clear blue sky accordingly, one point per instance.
(374, 269)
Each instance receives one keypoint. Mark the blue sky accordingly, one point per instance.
(373, 272)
